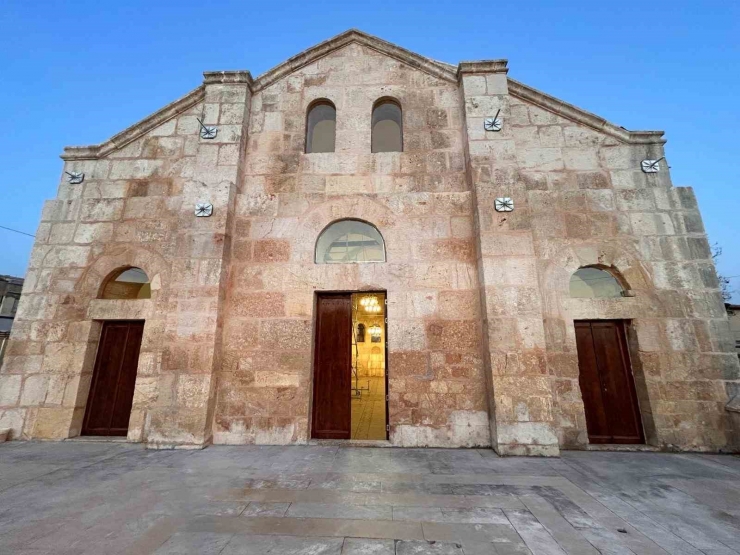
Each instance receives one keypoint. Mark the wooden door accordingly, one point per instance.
(112, 389)
(332, 408)
(607, 384)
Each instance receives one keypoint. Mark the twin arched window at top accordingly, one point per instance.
(386, 127)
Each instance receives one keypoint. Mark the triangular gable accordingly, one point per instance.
(579, 115)
(437, 69)
(440, 70)
(137, 130)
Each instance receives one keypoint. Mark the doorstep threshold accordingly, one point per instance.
(626, 447)
(99, 439)
(351, 442)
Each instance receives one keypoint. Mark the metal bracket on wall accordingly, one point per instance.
(75, 178)
(203, 209)
(207, 131)
(651, 166)
(503, 204)
(493, 124)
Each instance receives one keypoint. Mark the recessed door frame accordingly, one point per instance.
(627, 368)
(95, 381)
(314, 343)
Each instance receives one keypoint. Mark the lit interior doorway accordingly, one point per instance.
(350, 372)
(369, 406)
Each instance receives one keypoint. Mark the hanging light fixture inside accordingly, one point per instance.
(375, 330)
(370, 304)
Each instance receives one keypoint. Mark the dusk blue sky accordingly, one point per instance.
(77, 72)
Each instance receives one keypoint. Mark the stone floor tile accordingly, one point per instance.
(229, 509)
(568, 537)
(87, 499)
(499, 549)
(537, 538)
(359, 546)
(203, 543)
(255, 508)
(309, 527)
(482, 533)
(282, 545)
(475, 515)
(346, 484)
(428, 548)
(276, 484)
(417, 514)
(336, 510)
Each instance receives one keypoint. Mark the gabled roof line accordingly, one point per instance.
(578, 115)
(138, 129)
(433, 67)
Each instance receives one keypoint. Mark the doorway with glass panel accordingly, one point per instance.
(350, 398)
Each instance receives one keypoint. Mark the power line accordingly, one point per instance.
(16, 231)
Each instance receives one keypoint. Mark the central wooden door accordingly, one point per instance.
(112, 390)
(607, 384)
(332, 402)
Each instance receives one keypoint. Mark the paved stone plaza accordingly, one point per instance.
(105, 498)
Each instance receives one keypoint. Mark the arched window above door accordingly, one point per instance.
(347, 241)
(321, 127)
(127, 283)
(387, 127)
(592, 282)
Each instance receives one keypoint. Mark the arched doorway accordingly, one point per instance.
(350, 386)
(605, 370)
(111, 395)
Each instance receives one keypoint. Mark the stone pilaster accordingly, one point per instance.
(520, 398)
(200, 267)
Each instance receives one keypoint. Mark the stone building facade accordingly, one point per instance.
(10, 294)
(481, 343)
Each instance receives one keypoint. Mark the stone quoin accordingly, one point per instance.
(482, 306)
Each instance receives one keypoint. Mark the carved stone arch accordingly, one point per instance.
(357, 208)
(93, 280)
(624, 264)
(560, 310)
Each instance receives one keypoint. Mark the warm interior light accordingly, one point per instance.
(375, 330)
(370, 304)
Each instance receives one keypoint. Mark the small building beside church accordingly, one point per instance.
(364, 244)
(10, 294)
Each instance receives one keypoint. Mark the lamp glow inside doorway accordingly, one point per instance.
(370, 304)
(369, 417)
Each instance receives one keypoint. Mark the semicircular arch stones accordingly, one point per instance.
(351, 276)
(624, 264)
(155, 266)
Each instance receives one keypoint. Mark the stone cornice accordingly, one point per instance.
(482, 66)
(228, 77)
(132, 133)
(573, 113)
(427, 65)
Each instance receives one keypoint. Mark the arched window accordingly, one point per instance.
(321, 127)
(350, 241)
(360, 333)
(127, 283)
(387, 127)
(590, 282)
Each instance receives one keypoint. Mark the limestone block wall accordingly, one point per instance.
(419, 201)
(134, 208)
(480, 335)
(581, 199)
(519, 389)
(588, 203)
